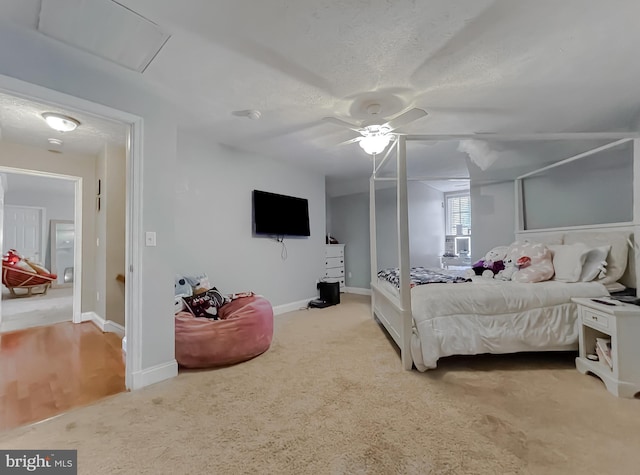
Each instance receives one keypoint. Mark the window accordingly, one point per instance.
(458, 214)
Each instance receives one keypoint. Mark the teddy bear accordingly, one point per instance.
(510, 268)
(490, 264)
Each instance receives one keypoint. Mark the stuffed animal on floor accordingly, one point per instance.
(490, 264)
(182, 287)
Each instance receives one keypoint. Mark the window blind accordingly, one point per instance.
(458, 214)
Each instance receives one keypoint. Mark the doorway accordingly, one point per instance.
(33, 205)
(136, 377)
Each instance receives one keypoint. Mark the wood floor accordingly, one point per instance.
(45, 371)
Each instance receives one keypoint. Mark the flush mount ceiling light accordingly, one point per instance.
(59, 122)
(375, 143)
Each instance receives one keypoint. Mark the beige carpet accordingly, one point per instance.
(329, 397)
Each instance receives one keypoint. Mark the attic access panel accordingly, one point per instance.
(103, 28)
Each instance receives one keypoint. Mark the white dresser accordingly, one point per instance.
(334, 264)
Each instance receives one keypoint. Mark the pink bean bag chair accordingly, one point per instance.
(244, 331)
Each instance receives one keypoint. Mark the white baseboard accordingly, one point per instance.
(357, 290)
(106, 326)
(155, 374)
(290, 307)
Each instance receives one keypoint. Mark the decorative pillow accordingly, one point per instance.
(540, 266)
(617, 258)
(206, 304)
(39, 269)
(568, 261)
(595, 264)
(23, 265)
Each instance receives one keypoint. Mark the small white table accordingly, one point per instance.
(621, 323)
(455, 261)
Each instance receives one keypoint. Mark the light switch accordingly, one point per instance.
(150, 238)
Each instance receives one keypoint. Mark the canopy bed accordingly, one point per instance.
(490, 316)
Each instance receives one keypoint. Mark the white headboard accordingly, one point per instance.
(556, 236)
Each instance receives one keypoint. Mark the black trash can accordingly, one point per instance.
(330, 292)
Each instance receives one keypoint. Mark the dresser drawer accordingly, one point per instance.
(334, 251)
(334, 272)
(334, 262)
(595, 319)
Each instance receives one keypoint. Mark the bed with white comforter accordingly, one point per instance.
(491, 316)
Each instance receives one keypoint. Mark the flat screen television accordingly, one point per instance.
(280, 215)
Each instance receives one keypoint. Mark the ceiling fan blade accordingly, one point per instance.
(405, 118)
(342, 123)
(347, 142)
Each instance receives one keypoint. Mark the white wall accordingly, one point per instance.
(30, 158)
(110, 230)
(492, 217)
(213, 225)
(39, 60)
(115, 209)
(350, 225)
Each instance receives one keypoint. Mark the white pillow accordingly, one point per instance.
(617, 258)
(596, 259)
(568, 260)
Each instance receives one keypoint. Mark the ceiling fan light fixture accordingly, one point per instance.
(59, 122)
(375, 143)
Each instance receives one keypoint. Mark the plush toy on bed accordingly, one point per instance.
(490, 264)
(527, 262)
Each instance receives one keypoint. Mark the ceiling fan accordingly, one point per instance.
(375, 137)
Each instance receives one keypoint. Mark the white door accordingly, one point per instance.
(23, 231)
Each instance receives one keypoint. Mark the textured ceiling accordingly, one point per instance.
(474, 65)
(21, 122)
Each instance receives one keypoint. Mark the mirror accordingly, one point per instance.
(62, 243)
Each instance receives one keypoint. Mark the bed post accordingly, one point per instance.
(403, 254)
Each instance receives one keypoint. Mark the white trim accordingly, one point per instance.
(77, 252)
(588, 153)
(290, 307)
(583, 227)
(89, 317)
(133, 257)
(526, 136)
(107, 326)
(154, 374)
(113, 327)
(357, 290)
(124, 344)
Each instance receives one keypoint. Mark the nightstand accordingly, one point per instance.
(620, 323)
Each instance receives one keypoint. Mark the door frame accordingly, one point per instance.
(133, 253)
(77, 245)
